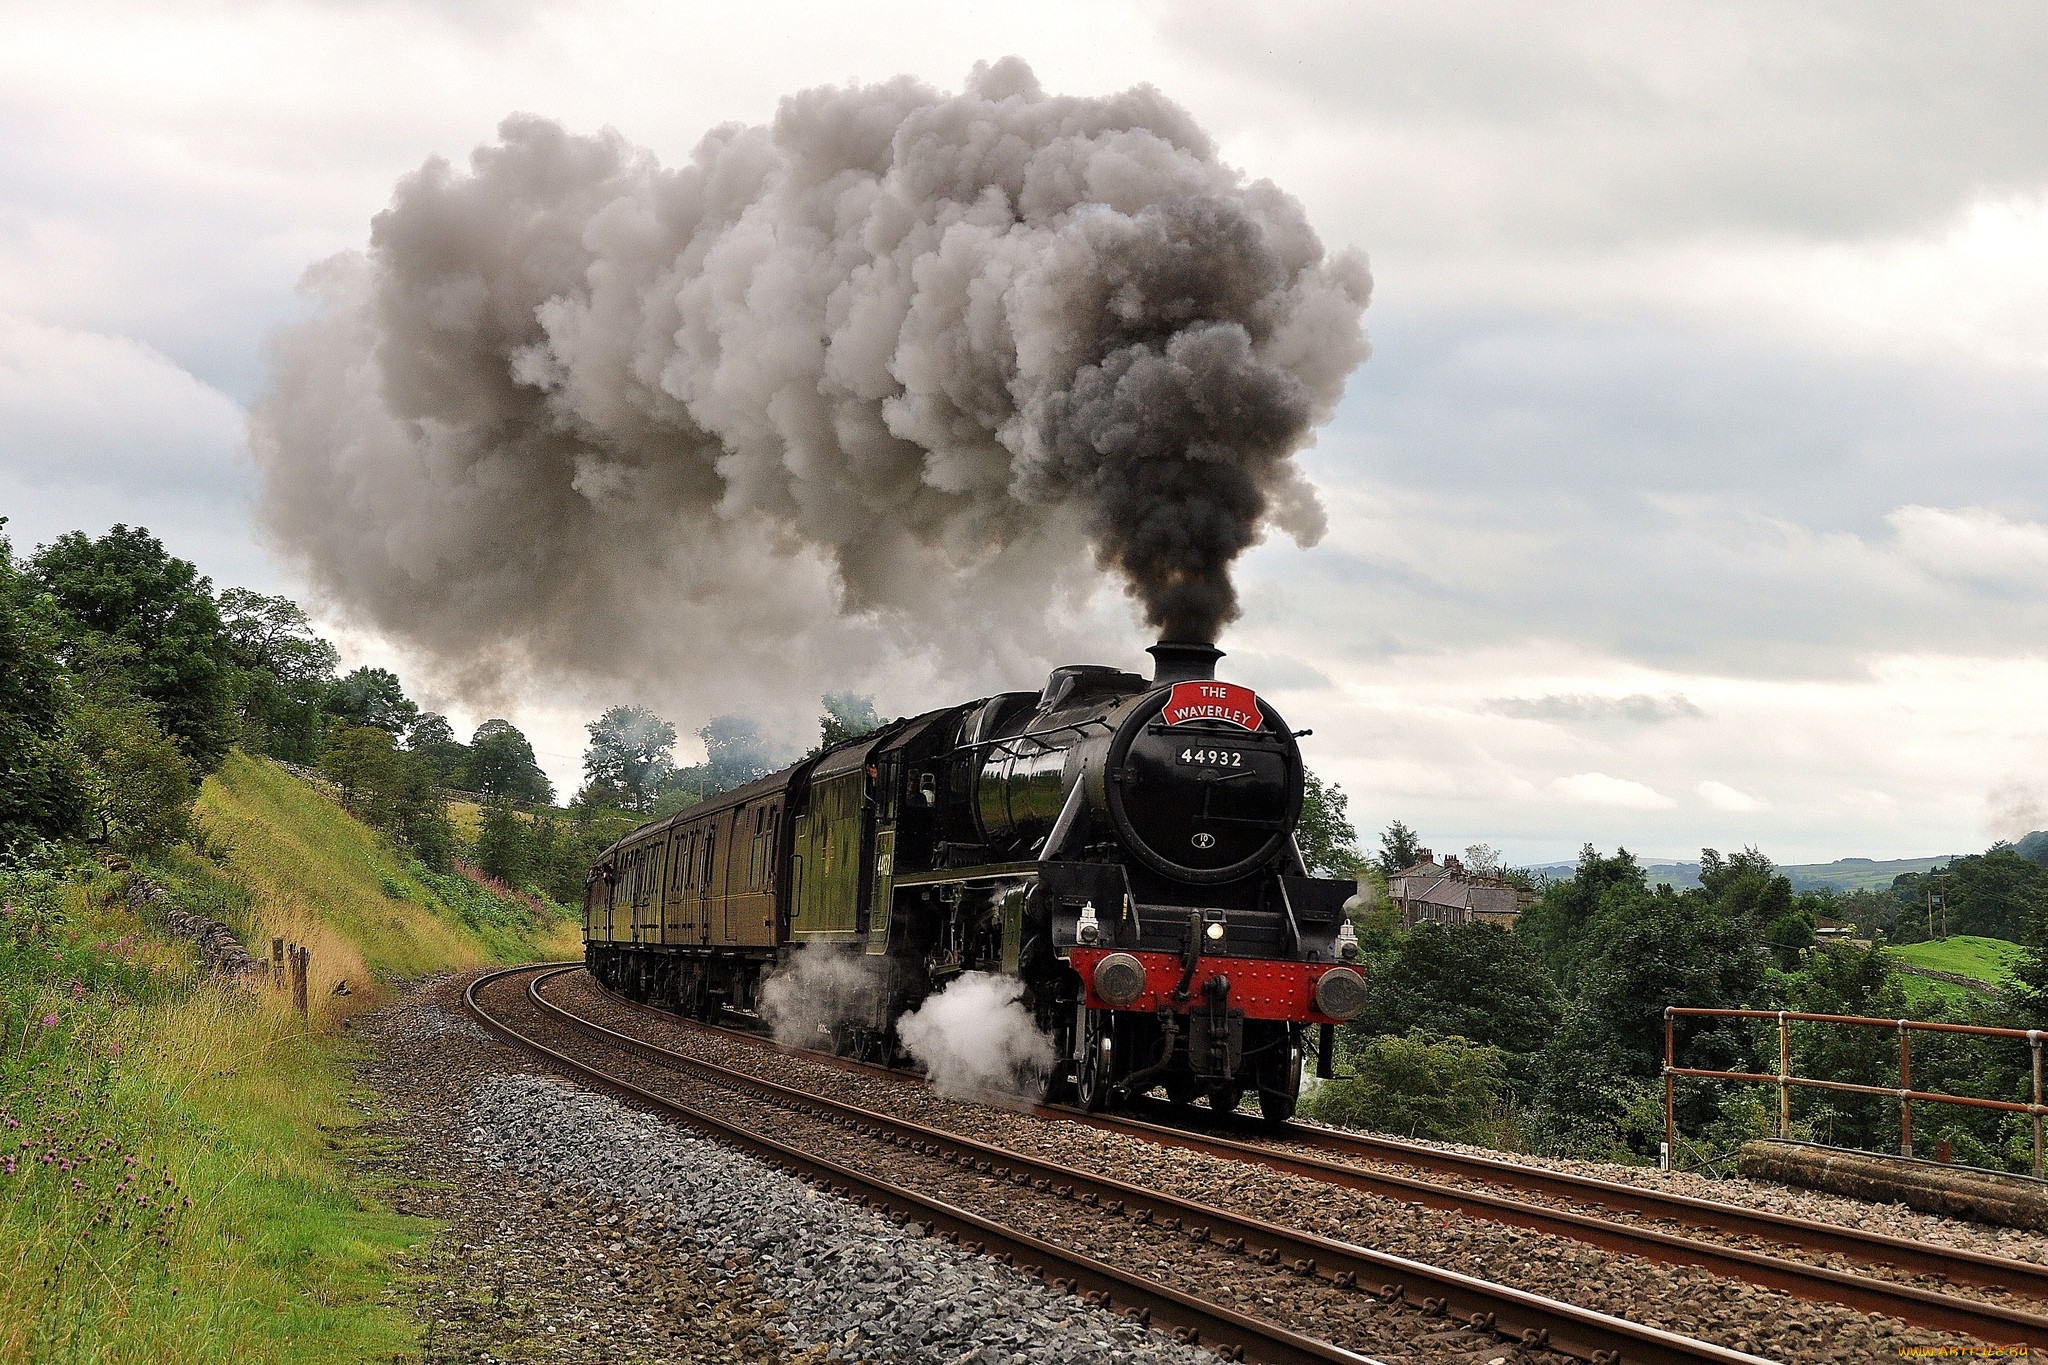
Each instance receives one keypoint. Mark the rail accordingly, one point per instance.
(1903, 1091)
(1911, 1303)
(1539, 1322)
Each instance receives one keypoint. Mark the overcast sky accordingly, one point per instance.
(1693, 494)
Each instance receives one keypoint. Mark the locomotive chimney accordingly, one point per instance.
(1183, 661)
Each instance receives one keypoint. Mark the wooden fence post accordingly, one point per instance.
(1784, 1076)
(277, 964)
(300, 957)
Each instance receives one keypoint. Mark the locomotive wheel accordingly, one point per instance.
(1091, 1069)
(1280, 1087)
(1049, 1084)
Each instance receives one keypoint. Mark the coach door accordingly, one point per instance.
(675, 890)
(707, 862)
(736, 874)
(750, 903)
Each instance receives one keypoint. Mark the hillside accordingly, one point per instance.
(1990, 960)
(270, 1242)
(1843, 874)
(326, 880)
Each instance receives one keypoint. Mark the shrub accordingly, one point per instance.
(1421, 1085)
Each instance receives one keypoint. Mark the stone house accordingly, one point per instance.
(1445, 893)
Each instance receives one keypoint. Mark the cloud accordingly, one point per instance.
(1639, 708)
(1974, 543)
(97, 428)
(82, 407)
(1606, 121)
(1598, 789)
(1721, 796)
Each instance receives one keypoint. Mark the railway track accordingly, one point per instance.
(511, 1004)
(1988, 1321)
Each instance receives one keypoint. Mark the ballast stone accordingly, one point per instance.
(853, 1281)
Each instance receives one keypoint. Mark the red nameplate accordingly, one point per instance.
(1227, 702)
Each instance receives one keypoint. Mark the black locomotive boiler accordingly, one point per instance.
(1122, 846)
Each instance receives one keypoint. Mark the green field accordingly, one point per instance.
(1991, 960)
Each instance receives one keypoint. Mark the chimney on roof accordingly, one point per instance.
(1451, 863)
(1424, 855)
(1183, 661)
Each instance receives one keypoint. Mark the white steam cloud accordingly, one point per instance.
(866, 387)
(820, 987)
(975, 1039)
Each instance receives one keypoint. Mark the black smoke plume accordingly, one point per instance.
(852, 395)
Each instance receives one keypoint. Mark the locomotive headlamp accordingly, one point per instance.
(1340, 993)
(1088, 930)
(1215, 931)
(1347, 942)
(1119, 979)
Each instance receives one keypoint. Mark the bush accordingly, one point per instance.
(1421, 1085)
(143, 784)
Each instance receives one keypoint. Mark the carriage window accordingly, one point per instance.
(710, 848)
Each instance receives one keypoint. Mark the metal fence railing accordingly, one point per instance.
(1903, 1092)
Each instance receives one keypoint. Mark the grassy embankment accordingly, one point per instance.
(173, 1184)
(1990, 960)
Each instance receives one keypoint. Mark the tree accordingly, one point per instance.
(433, 739)
(373, 697)
(847, 717)
(504, 845)
(391, 790)
(281, 672)
(1995, 894)
(1329, 845)
(141, 786)
(1483, 859)
(632, 752)
(735, 754)
(501, 764)
(1420, 1085)
(274, 635)
(1478, 981)
(429, 728)
(160, 613)
(1400, 849)
(1641, 951)
(42, 777)
(1566, 918)
(357, 761)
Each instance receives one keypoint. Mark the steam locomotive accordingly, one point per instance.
(1122, 846)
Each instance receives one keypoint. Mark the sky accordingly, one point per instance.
(1691, 495)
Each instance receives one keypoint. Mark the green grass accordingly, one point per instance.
(172, 1188)
(139, 1080)
(1991, 960)
(1927, 998)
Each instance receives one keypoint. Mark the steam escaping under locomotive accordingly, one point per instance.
(1123, 847)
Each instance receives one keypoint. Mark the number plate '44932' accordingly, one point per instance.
(1213, 758)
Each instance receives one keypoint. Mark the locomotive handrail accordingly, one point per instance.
(1007, 740)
